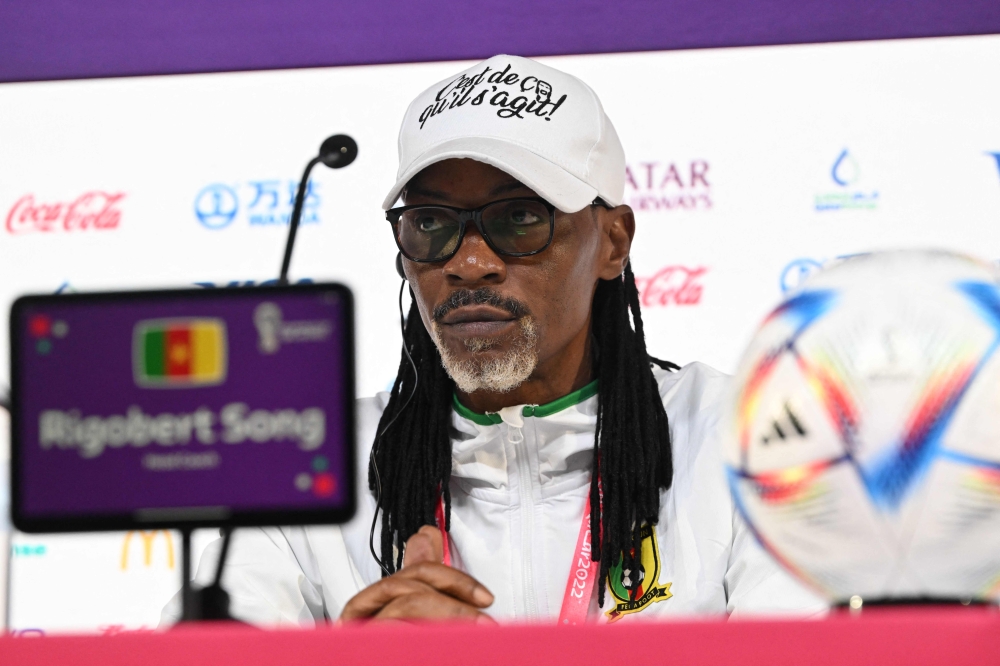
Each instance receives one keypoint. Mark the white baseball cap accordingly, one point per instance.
(541, 126)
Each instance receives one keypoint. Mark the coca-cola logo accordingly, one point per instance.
(671, 285)
(94, 210)
(668, 186)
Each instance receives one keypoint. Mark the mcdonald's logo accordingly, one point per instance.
(147, 547)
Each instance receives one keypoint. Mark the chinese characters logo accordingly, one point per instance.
(259, 202)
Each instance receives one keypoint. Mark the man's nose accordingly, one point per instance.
(475, 262)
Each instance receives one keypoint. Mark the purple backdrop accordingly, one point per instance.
(59, 39)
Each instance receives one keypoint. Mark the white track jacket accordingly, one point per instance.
(519, 486)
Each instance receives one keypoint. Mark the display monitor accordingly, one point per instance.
(182, 408)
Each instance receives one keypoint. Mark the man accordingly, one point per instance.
(531, 461)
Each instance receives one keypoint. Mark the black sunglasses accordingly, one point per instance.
(511, 227)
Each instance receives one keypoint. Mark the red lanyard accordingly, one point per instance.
(582, 575)
(582, 571)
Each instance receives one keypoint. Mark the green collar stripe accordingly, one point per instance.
(475, 417)
(574, 398)
(541, 411)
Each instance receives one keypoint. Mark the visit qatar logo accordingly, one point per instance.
(672, 285)
(662, 186)
(91, 211)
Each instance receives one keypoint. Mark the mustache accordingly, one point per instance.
(481, 296)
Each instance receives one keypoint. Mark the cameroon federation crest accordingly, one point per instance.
(633, 590)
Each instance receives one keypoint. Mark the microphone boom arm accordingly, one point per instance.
(293, 225)
(336, 152)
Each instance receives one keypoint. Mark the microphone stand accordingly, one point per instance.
(210, 602)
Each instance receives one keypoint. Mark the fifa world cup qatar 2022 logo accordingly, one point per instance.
(91, 211)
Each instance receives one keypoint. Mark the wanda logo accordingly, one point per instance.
(671, 285)
(91, 210)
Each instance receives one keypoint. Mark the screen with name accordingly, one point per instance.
(187, 407)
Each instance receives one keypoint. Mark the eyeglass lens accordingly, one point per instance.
(518, 227)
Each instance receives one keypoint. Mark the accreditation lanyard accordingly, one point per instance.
(582, 571)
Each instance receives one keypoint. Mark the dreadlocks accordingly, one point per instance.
(632, 458)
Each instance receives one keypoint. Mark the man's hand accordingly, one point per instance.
(423, 589)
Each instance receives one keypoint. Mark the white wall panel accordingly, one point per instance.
(760, 128)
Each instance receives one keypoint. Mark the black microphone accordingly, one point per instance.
(336, 152)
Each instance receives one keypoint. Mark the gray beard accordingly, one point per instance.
(497, 375)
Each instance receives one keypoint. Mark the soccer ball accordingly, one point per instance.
(863, 439)
(627, 576)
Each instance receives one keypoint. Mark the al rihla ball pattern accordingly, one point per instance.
(863, 441)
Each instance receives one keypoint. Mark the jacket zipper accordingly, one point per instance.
(515, 436)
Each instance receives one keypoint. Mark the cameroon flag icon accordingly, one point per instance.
(179, 353)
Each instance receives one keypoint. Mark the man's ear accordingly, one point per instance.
(619, 225)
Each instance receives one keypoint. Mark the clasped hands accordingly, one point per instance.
(424, 588)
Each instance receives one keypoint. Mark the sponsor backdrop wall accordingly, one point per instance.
(749, 168)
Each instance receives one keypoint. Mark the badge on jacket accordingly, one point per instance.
(621, 580)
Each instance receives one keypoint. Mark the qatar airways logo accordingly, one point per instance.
(672, 285)
(91, 211)
(668, 186)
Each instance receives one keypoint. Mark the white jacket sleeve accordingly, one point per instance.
(276, 576)
(756, 584)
